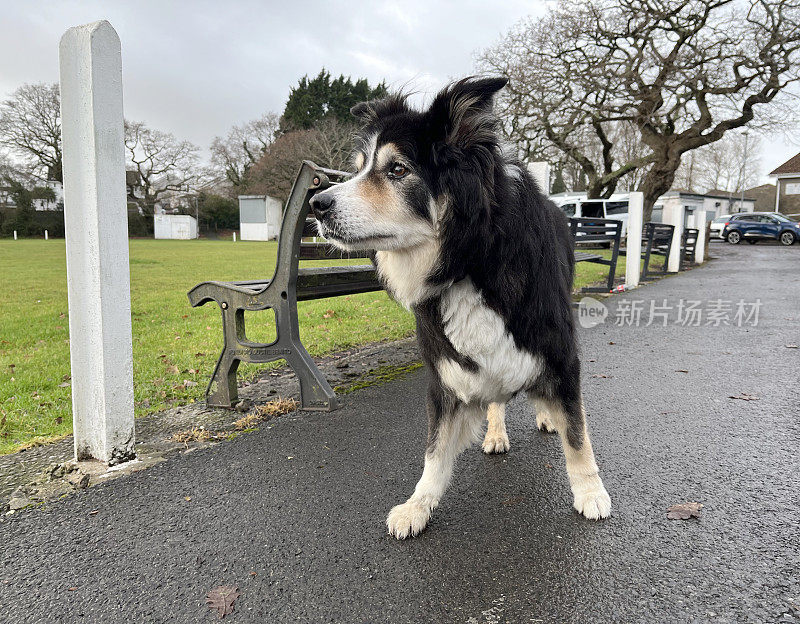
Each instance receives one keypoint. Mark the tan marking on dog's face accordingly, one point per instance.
(359, 160)
(378, 190)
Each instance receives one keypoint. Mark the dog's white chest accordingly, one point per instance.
(480, 333)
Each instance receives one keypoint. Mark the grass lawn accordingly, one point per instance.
(172, 342)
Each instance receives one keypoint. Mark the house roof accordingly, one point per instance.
(790, 166)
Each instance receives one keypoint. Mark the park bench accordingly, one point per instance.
(688, 246)
(656, 241)
(289, 284)
(589, 234)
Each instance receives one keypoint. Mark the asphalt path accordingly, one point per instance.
(293, 514)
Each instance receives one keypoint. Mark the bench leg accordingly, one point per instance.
(315, 392)
(222, 390)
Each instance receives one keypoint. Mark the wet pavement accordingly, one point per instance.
(293, 514)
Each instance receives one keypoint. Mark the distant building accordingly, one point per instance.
(174, 226)
(259, 217)
(787, 182)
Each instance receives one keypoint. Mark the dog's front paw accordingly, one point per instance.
(495, 443)
(408, 519)
(591, 499)
(543, 423)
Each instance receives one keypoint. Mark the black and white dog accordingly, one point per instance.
(466, 240)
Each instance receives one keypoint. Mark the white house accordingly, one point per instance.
(259, 217)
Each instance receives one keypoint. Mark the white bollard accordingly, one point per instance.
(673, 215)
(633, 265)
(700, 223)
(15, 235)
(95, 219)
(234, 237)
(45, 235)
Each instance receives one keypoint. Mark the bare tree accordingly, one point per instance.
(164, 164)
(681, 73)
(30, 126)
(731, 164)
(328, 144)
(234, 154)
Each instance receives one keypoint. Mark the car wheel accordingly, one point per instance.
(752, 241)
(786, 238)
(734, 237)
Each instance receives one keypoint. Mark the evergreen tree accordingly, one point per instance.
(558, 183)
(315, 99)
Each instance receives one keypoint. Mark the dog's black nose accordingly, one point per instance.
(321, 204)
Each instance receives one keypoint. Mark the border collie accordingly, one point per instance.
(466, 240)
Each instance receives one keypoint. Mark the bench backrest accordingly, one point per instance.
(296, 226)
(588, 230)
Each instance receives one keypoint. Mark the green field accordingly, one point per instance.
(172, 342)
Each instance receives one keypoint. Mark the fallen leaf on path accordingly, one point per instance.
(745, 397)
(684, 511)
(221, 599)
(681, 370)
(601, 376)
(791, 346)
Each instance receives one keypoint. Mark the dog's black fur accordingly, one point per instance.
(500, 231)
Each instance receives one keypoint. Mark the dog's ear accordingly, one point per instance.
(460, 115)
(369, 112)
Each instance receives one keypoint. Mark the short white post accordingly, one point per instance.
(633, 265)
(234, 237)
(15, 235)
(673, 215)
(95, 219)
(45, 235)
(700, 248)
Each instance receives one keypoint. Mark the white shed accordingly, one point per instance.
(259, 217)
(179, 227)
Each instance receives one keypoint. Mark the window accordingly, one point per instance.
(593, 210)
(569, 209)
(616, 207)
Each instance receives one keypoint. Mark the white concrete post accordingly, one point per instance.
(15, 235)
(633, 258)
(95, 219)
(700, 224)
(673, 215)
(234, 237)
(45, 235)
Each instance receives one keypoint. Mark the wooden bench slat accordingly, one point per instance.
(326, 251)
(322, 282)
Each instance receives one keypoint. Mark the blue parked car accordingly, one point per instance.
(752, 226)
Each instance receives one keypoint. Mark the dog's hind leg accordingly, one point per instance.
(543, 420)
(496, 438)
(590, 496)
(451, 429)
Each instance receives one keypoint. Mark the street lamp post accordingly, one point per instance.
(744, 165)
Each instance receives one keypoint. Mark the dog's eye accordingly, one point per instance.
(398, 171)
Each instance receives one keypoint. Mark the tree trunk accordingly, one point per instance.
(654, 184)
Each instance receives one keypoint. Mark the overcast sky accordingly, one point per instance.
(196, 68)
